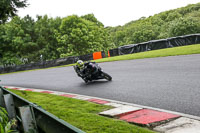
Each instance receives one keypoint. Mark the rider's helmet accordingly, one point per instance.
(80, 64)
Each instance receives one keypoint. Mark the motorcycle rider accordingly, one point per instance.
(87, 70)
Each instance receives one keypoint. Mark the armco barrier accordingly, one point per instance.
(32, 118)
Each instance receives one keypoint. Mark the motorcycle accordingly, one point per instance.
(90, 77)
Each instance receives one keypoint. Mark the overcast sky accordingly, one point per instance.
(109, 12)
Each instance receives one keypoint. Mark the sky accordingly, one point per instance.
(109, 12)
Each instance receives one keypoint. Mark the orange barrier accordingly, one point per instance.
(108, 53)
(97, 55)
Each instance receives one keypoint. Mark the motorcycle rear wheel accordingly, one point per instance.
(85, 80)
(107, 76)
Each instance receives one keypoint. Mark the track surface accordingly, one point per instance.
(171, 83)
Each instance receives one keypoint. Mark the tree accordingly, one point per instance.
(119, 38)
(2, 43)
(184, 26)
(8, 41)
(17, 41)
(92, 18)
(46, 30)
(79, 36)
(8, 8)
(145, 32)
(175, 22)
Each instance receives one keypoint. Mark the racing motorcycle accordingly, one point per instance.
(89, 77)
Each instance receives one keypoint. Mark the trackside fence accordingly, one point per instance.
(156, 44)
(31, 118)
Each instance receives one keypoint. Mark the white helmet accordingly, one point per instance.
(80, 64)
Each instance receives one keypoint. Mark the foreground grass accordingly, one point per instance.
(183, 50)
(81, 114)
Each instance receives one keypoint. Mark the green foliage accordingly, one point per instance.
(184, 26)
(79, 36)
(3, 117)
(5, 124)
(24, 40)
(46, 30)
(8, 8)
(91, 17)
(17, 42)
(177, 22)
(144, 33)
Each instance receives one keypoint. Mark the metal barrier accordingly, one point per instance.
(32, 118)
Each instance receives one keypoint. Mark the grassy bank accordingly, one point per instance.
(184, 50)
(81, 114)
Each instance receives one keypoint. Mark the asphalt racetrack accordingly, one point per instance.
(171, 83)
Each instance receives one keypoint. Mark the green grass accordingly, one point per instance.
(81, 114)
(183, 50)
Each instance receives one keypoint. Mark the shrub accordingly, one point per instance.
(5, 124)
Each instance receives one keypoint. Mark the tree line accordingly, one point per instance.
(177, 22)
(25, 40)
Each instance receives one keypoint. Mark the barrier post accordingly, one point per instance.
(2, 103)
(28, 119)
(10, 106)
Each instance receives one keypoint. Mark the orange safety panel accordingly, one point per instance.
(97, 55)
(108, 53)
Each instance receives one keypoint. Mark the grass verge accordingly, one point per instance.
(81, 114)
(183, 50)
